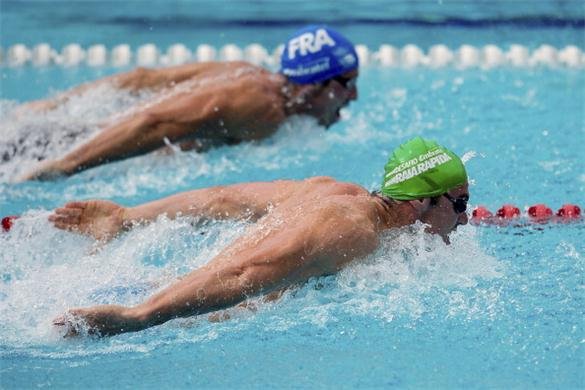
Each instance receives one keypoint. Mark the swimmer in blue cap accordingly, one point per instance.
(216, 103)
(316, 54)
(321, 66)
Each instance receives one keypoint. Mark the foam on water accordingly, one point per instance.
(30, 135)
(409, 275)
(46, 271)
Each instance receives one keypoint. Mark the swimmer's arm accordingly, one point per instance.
(254, 265)
(179, 117)
(103, 219)
(239, 201)
(173, 119)
(239, 272)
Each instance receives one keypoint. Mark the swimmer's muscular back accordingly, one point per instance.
(158, 78)
(235, 102)
(155, 79)
(297, 237)
(228, 102)
(293, 244)
(246, 200)
(249, 201)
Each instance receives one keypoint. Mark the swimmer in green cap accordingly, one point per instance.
(327, 224)
(423, 171)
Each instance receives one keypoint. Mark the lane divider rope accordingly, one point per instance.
(539, 213)
(409, 56)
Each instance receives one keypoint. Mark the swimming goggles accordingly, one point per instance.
(459, 204)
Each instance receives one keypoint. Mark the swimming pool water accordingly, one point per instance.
(500, 307)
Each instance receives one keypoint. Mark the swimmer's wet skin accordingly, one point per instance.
(227, 102)
(328, 225)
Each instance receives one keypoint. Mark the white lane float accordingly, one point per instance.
(97, 55)
(257, 54)
(42, 55)
(18, 55)
(387, 56)
(440, 56)
(177, 54)
(467, 56)
(121, 55)
(205, 53)
(147, 55)
(231, 52)
(363, 54)
(410, 56)
(518, 56)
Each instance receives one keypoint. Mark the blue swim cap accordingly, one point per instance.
(317, 53)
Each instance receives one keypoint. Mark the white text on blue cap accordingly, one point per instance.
(308, 42)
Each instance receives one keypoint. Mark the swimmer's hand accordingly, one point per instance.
(106, 320)
(100, 219)
(69, 325)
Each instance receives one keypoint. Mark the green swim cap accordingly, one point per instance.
(422, 168)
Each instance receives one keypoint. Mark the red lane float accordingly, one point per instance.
(7, 222)
(508, 211)
(539, 213)
(569, 211)
(480, 213)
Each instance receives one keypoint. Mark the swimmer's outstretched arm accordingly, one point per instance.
(215, 286)
(240, 271)
(260, 262)
(103, 219)
(172, 119)
(238, 201)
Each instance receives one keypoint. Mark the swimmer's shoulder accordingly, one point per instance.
(337, 187)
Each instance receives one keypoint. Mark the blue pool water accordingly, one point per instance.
(500, 307)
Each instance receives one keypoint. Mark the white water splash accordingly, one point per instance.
(29, 135)
(406, 276)
(46, 271)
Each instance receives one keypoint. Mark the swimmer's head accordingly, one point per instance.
(433, 179)
(322, 66)
(315, 54)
